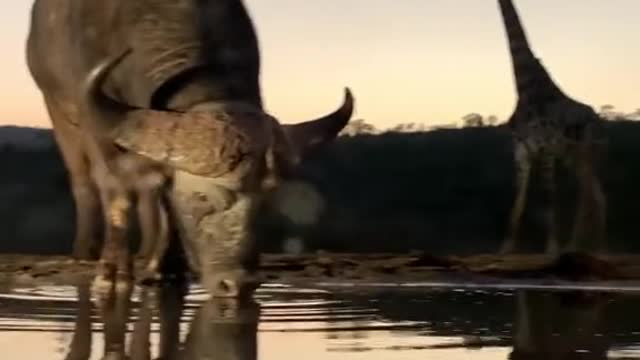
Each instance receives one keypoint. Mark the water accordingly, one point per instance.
(348, 322)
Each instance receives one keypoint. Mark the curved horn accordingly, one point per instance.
(202, 143)
(110, 112)
(313, 133)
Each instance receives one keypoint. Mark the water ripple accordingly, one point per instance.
(375, 320)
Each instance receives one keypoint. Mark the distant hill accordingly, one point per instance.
(26, 138)
(442, 191)
(36, 209)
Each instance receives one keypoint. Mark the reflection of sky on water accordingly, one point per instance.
(37, 323)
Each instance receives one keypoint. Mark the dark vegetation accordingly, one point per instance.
(443, 191)
(36, 208)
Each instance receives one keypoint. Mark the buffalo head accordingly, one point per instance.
(223, 157)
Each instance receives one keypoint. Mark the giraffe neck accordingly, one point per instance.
(533, 82)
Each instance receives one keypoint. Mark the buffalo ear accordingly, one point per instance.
(310, 135)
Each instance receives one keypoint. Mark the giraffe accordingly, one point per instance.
(548, 125)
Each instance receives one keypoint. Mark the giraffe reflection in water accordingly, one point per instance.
(222, 328)
(560, 326)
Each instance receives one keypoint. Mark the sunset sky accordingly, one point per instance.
(430, 61)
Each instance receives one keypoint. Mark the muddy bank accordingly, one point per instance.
(391, 268)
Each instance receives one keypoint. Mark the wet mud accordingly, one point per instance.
(390, 268)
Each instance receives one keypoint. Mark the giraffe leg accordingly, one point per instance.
(600, 204)
(523, 171)
(599, 200)
(591, 201)
(579, 221)
(548, 169)
(582, 203)
(533, 333)
(523, 336)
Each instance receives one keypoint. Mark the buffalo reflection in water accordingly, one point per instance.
(222, 328)
(547, 325)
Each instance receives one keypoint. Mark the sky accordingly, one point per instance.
(426, 61)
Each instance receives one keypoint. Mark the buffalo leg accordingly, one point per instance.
(80, 348)
(171, 306)
(159, 244)
(85, 194)
(149, 184)
(149, 222)
(115, 266)
(150, 187)
(114, 309)
(140, 346)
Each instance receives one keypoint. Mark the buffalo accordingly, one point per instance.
(157, 111)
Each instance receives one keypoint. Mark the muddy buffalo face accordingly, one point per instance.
(223, 156)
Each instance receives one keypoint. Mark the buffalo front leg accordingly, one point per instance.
(171, 301)
(115, 266)
(148, 219)
(85, 193)
(114, 310)
(80, 348)
(157, 246)
(138, 175)
(140, 346)
(154, 220)
(523, 170)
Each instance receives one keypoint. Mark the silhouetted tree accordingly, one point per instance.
(358, 126)
(408, 127)
(609, 112)
(473, 120)
(634, 115)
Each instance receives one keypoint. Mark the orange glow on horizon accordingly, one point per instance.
(410, 61)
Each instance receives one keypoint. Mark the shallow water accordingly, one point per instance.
(342, 323)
